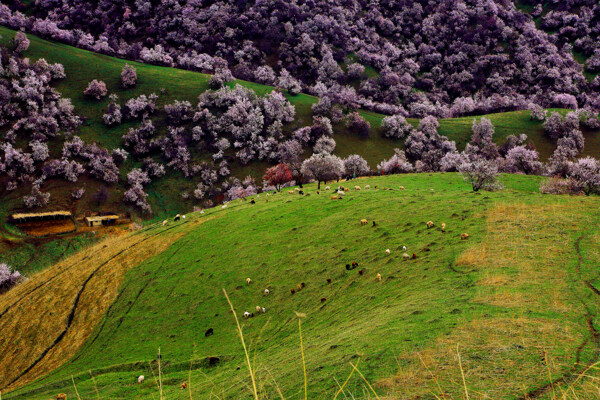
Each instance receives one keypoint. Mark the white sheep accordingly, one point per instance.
(246, 314)
(141, 379)
(258, 309)
(387, 252)
(405, 256)
(327, 188)
(266, 292)
(224, 206)
(258, 196)
(267, 194)
(341, 193)
(297, 189)
(367, 187)
(248, 281)
(263, 310)
(183, 217)
(403, 248)
(165, 222)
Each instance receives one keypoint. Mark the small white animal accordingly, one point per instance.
(327, 188)
(258, 196)
(248, 281)
(405, 256)
(165, 222)
(183, 216)
(297, 189)
(267, 194)
(266, 292)
(258, 309)
(202, 212)
(141, 379)
(263, 310)
(367, 186)
(224, 206)
(403, 248)
(341, 193)
(387, 252)
(246, 314)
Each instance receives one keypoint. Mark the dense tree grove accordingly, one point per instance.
(410, 58)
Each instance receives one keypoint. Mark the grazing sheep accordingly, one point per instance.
(363, 221)
(246, 314)
(267, 194)
(405, 256)
(414, 256)
(374, 223)
(443, 227)
(403, 248)
(367, 187)
(346, 189)
(387, 252)
(258, 309)
(266, 292)
(248, 281)
(177, 218)
(224, 206)
(263, 310)
(184, 385)
(318, 192)
(362, 271)
(323, 299)
(293, 291)
(301, 193)
(334, 197)
(202, 212)
(354, 264)
(327, 188)
(303, 285)
(183, 217)
(348, 267)
(464, 236)
(401, 187)
(430, 224)
(165, 222)
(253, 202)
(140, 380)
(298, 287)
(356, 187)
(297, 189)
(209, 332)
(378, 277)
(291, 192)
(328, 280)
(341, 193)
(258, 196)
(61, 396)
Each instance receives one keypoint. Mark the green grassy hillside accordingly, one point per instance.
(82, 66)
(518, 298)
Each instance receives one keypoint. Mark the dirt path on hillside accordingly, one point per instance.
(39, 332)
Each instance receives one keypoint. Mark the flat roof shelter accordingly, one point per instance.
(101, 220)
(44, 216)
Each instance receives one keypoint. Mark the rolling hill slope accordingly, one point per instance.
(164, 195)
(519, 298)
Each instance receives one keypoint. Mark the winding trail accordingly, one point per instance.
(594, 336)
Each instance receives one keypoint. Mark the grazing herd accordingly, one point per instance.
(340, 192)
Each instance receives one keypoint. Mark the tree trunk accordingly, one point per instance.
(318, 184)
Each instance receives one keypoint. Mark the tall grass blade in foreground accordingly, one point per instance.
(239, 329)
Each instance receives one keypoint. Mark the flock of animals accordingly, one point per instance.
(339, 193)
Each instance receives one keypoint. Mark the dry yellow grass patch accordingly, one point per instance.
(45, 320)
(501, 358)
(521, 265)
